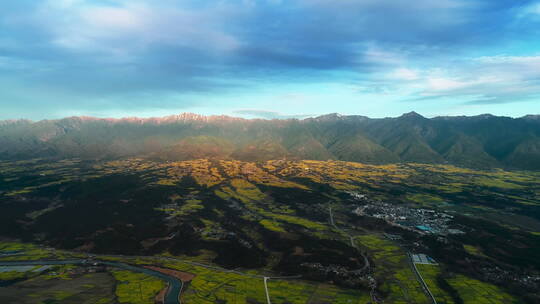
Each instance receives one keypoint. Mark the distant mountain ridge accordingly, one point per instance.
(476, 141)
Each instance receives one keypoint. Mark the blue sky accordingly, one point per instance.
(268, 58)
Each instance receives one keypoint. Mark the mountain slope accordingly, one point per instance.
(477, 141)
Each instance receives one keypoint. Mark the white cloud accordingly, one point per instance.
(63, 3)
(113, 18)
(438, 84)
(404, 74)
(531, 10)
(423, 12)
(377, 55)
(266, 114)
(441, 85)
(488, 79)
(130, 26)
(528, 64)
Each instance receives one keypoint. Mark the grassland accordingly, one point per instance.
(25, 251)
(496, 182)
(272, 225)
(298, 292)
(14, 275)
(425, 200)
(273, 173)
(337, 174)
(212, 285)
(225, 175)
(258, 202)
(209, 287)
(95, 288)
(210, 206)
(474, 250)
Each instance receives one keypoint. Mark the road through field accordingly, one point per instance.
(421, 279)
(367, 265)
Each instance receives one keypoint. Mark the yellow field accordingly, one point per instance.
(136, 288)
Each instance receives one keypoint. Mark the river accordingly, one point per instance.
(173, 292)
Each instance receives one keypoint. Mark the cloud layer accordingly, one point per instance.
(140, 55)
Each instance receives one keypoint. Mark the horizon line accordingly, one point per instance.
(192, 115)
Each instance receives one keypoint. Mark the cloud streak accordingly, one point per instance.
(481, 80)
(255, 113)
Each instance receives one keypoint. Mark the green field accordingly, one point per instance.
(475, 292)
(298, 292)
(391, 268)
(136, 288)
(93, 288)
(429, 274)
(273, 216)
(214, 285)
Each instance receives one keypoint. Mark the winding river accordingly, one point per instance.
(173, 291)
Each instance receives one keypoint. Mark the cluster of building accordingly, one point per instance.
(501, 276)
(91, 268)
(420, 258)
(330, 269)
(421, 220)
(338, 274)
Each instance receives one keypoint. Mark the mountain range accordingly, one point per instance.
(484, 141)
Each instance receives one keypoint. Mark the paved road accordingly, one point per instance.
(421, 279)
(173, 291)
(266, 290)
(367, 266)
(207, 266)
(351, 239)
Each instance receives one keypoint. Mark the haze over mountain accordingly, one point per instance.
(476, 141)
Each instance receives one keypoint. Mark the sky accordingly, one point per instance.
(268, 58)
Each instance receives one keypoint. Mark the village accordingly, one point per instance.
(420, 220)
